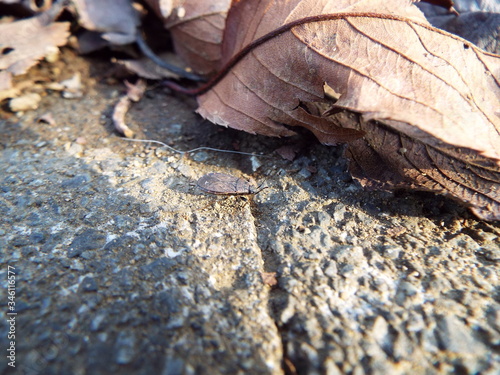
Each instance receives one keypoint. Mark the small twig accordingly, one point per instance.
(134, 94)
(119, 112)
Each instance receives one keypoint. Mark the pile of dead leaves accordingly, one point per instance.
(418, 106)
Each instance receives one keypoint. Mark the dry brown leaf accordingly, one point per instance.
(136, 91)
(197, 28)
(33, 6)
(288, 152)
(14, 90)
(146, 68)
(282, 75)
(428, 100)
(388, 159)
(23, 43)
(6, 88)
(47, 118)
(116, 20)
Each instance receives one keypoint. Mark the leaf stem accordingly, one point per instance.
(165, 65)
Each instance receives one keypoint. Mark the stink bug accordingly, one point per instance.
(225, 184)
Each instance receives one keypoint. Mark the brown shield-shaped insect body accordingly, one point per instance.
(225, 184)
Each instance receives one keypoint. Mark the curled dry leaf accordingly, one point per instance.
(33, 6)
(47, 118)
(116, 20)
(136, 91)
(197, 28)
(288, 152)
(23, 43)
(428, 100)
(6, 88)
(5, 81)
(72, 87)
(145, 68)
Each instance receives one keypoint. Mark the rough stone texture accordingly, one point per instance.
(123, 266)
